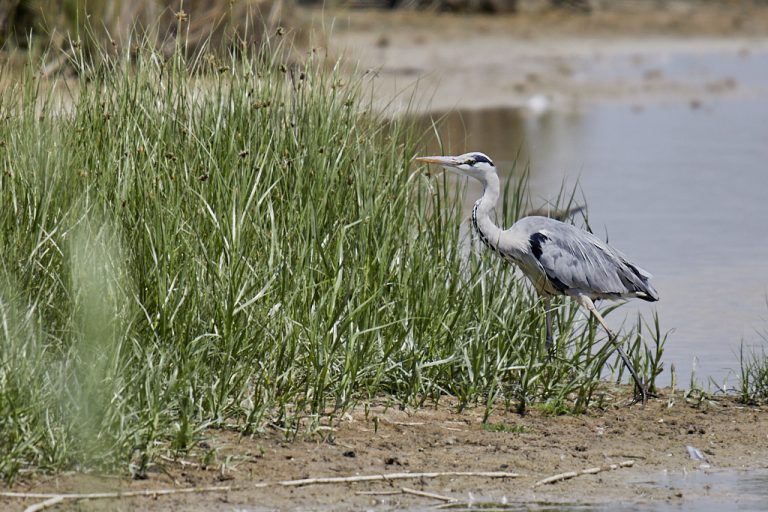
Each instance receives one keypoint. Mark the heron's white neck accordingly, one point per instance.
(489, 232)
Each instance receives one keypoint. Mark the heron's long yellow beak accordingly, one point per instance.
(449, 161)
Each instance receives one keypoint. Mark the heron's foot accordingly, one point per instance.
(641, 396)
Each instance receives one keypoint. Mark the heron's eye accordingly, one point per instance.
(470, 162)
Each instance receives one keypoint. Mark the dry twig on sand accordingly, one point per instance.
(44, 504)
(394, 476)
(425, 494)
(408, 490)
(591, 471)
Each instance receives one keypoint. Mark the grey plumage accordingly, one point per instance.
(558, 258)
(575, 261)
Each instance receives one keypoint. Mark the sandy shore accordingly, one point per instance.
(386, 441)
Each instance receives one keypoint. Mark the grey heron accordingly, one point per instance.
(558, 258)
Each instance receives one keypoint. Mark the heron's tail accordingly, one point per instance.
(650, 294)
(645, 290)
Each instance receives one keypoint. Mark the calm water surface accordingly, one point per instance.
(681, 188)
(699, 491)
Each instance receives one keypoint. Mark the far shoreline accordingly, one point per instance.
(414, 69)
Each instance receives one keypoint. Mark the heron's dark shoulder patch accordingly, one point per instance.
(537, 240)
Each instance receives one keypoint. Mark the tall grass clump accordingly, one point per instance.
(235, 243)
(753, 381)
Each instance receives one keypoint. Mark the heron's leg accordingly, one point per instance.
(548, 317)
(587, 303)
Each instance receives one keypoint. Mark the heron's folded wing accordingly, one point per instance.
(580, 261)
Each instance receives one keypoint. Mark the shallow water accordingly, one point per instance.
(714, 490)
(694, 491)
(680, 187)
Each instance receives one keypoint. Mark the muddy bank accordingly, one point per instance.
(382, 440)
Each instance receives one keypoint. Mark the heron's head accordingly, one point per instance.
(474, 165)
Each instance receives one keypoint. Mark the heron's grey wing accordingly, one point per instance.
(576, 260)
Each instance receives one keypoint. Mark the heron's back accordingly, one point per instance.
(563, 259)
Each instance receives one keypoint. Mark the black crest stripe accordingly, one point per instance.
(481, 158)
